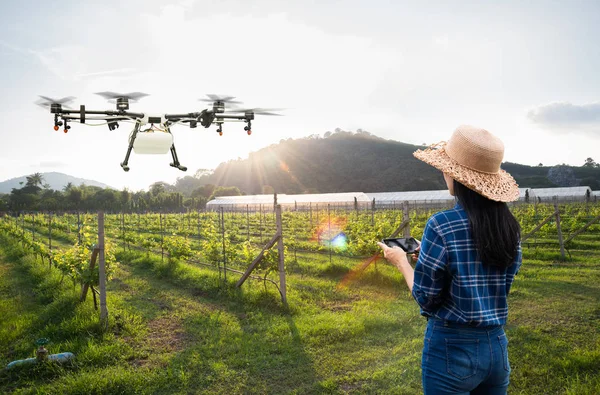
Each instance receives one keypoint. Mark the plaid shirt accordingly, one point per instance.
(451, 283)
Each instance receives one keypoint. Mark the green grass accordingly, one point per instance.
(177, 328)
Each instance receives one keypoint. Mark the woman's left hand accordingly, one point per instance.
(395, 255)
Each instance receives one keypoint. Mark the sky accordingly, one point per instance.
(406, 71)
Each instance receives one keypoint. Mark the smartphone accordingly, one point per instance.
(408, 244)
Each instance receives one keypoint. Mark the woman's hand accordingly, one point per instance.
(395, 255)
(415, 255)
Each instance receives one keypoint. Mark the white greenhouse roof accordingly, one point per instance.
(346, 197)
(245, 199)
(384, 197)
(410, 196)
(564, 192)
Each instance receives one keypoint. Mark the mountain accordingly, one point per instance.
(56, 180)
(348, 162)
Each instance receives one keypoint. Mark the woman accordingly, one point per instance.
(467, 261)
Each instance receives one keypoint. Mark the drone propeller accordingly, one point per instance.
(224, 99)
(257, 111)
(133, 96)
(47, 102)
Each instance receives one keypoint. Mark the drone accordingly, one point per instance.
(152, 133)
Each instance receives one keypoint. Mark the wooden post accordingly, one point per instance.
(162, 249)
(199, 233)
(560, 236)
(84, 287)
(102, 272)
(223, 235)
(406, 215)
(260, 222)
(373, 213)
(78, 228)
(329, 231)
(282, 285)
(50, 238)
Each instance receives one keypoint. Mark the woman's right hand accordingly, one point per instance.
(415, 255)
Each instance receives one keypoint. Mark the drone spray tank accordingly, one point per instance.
(153, 140)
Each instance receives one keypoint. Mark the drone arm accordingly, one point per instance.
(181, 117)
(107, 113)
(106, 118)
(239, 117)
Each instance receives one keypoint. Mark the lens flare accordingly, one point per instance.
(331, 232)
(340, 242)
(357, 271)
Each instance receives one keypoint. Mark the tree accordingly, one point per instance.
(563, 176)
(187, 184)
(202, 172)
(157, 188)
(205, 191)
(75, 196)
(225, 191)
(68, 187)
(124, 197)
(35, 179)
(589, 162)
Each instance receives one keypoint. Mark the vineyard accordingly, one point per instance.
(178, 322)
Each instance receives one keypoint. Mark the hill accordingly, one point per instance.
(347, 161)
(56, 180)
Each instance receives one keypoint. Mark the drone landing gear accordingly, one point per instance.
(131, 140)
(176, 163)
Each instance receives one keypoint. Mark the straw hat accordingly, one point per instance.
(472, 157)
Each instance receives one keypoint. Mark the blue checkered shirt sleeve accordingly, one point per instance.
(430, 272)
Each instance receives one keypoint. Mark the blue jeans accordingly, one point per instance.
(459, 359)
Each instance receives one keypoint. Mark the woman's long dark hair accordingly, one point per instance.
(495, 230)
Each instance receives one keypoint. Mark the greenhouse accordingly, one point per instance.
(347, 200)
(386, 200)
(420, 198)
(564, 194)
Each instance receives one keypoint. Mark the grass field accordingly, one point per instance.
(176, 328)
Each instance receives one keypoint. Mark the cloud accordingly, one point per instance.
(567, 116)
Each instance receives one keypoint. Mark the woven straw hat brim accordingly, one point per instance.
(500, 186)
